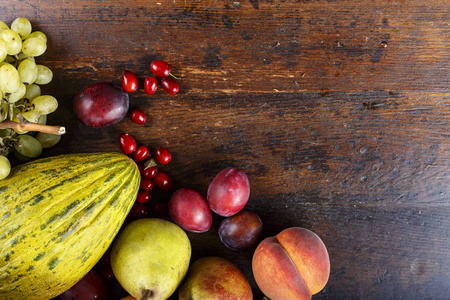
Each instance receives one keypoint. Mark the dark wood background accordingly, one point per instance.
(338, 111)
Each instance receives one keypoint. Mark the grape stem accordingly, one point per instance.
(25, 125)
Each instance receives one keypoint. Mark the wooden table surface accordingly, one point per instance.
(338, 111)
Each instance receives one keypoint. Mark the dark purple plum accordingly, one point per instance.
(101, 104)
(240, 231)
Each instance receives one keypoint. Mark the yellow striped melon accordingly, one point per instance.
(58, 216)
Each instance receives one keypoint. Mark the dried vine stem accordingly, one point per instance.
(25, 125)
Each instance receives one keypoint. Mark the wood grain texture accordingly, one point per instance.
(338, 111)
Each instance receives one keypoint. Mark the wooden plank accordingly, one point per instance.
(386, 146)
(253, 46)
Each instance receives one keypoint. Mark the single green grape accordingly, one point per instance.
(31, 116)
(42, 120)
(34, 46)
(28, 71)
(3, 26)
(33, 91)
(44, 75)
(48, 140)
(9, 78)
(38, 34)
(21, 56)
(28, 146)
(21, 157)
(45, 104)
(5, 167)
(17, 94)
(10, 59)
(13, 41)
(3, 50)
(22, 26)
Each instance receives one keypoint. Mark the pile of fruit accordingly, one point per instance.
(93, 226)
(151, 272)
(20, 93)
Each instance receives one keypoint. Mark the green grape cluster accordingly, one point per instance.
(20, 92)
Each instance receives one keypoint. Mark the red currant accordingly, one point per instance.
(146, 184)
(127, 143)
(163, 181)
(170, 85)
(150, 85)
(160, 68)
(129, 81)
(140, 154)
(139, 210)
(163, 155)
(138, 116)
(143, 197)
(150, 172)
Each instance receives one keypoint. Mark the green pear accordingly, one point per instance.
(215, 278)
(150, 258)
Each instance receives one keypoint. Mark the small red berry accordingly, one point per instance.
(150, 85)
(170, 85)
(150, 172)
(163, 155)
(160, 68)
(146, 184)
(127, 143)
(141, 154)
(143, 197)
(139, 210)
(138, 116)
(129, 81)
(163, 181)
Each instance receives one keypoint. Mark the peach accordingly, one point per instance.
(215, 278)
(294, 264)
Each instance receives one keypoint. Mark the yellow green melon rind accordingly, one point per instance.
(58, 216)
